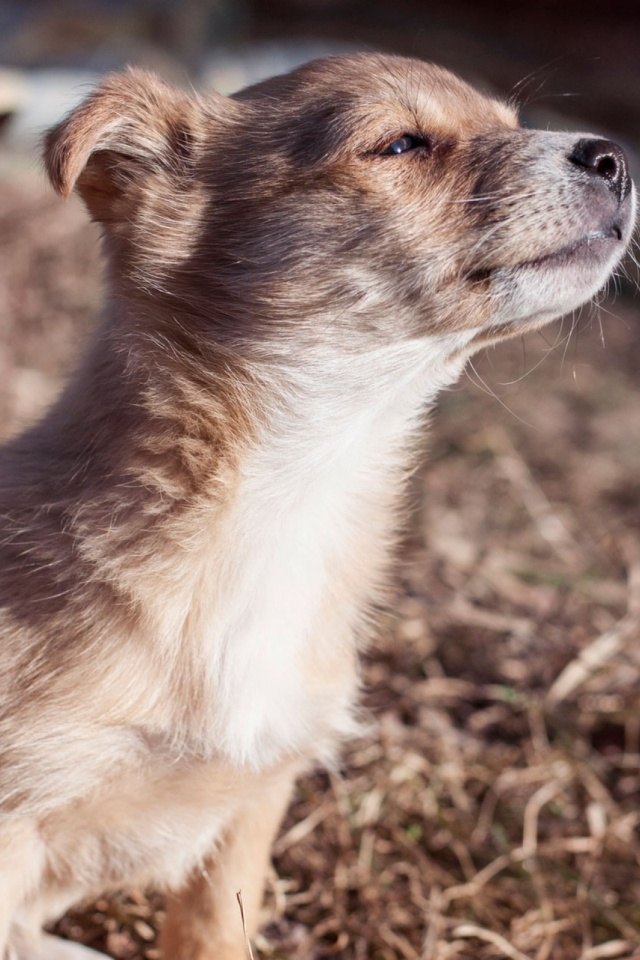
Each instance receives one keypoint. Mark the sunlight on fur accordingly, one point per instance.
(196, 534)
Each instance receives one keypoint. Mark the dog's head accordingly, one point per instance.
(356, 200)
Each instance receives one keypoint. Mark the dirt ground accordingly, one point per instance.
(493, 808)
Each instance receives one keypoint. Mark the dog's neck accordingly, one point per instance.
(244, 509)
(313, 518)
(152, 427)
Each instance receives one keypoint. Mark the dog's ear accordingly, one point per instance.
(132, 127)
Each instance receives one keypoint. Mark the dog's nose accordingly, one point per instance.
(605, 159)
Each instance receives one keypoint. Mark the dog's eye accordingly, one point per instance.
(403, 145)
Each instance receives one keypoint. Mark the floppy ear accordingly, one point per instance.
(132, 126)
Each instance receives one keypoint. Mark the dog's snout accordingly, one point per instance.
(604, 159)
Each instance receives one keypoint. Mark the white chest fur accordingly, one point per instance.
(309, 530)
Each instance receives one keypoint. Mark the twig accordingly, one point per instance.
(301, 829)
(244, 926)
(469, 930)
(540, 798)
(544, 515)
(614, 948)
(602, 649)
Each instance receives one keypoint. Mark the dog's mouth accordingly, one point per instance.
(595, 246)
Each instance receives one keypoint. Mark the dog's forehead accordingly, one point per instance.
(441, 100)
(392, 90)
(435, 97)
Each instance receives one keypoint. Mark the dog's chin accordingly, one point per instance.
(534, 292)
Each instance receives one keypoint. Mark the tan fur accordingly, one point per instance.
(193, 537)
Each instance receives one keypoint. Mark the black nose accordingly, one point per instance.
(605, 159)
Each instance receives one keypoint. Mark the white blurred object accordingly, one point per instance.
(13, 92)
(232, 69)
(45, 97)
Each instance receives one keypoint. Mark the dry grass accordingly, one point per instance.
(493, 809)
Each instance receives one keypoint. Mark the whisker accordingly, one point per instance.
(484, 386)
(504, 198)
(530, 77)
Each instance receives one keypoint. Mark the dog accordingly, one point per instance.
(193, 537)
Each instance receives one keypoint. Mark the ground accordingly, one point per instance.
(492, 809)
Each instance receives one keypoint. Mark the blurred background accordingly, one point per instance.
(493, 809)
(560, 57)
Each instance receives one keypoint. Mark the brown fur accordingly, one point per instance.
(192, 537)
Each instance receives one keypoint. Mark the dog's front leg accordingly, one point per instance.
(22, 858)
(49, 947)
(203, 919)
